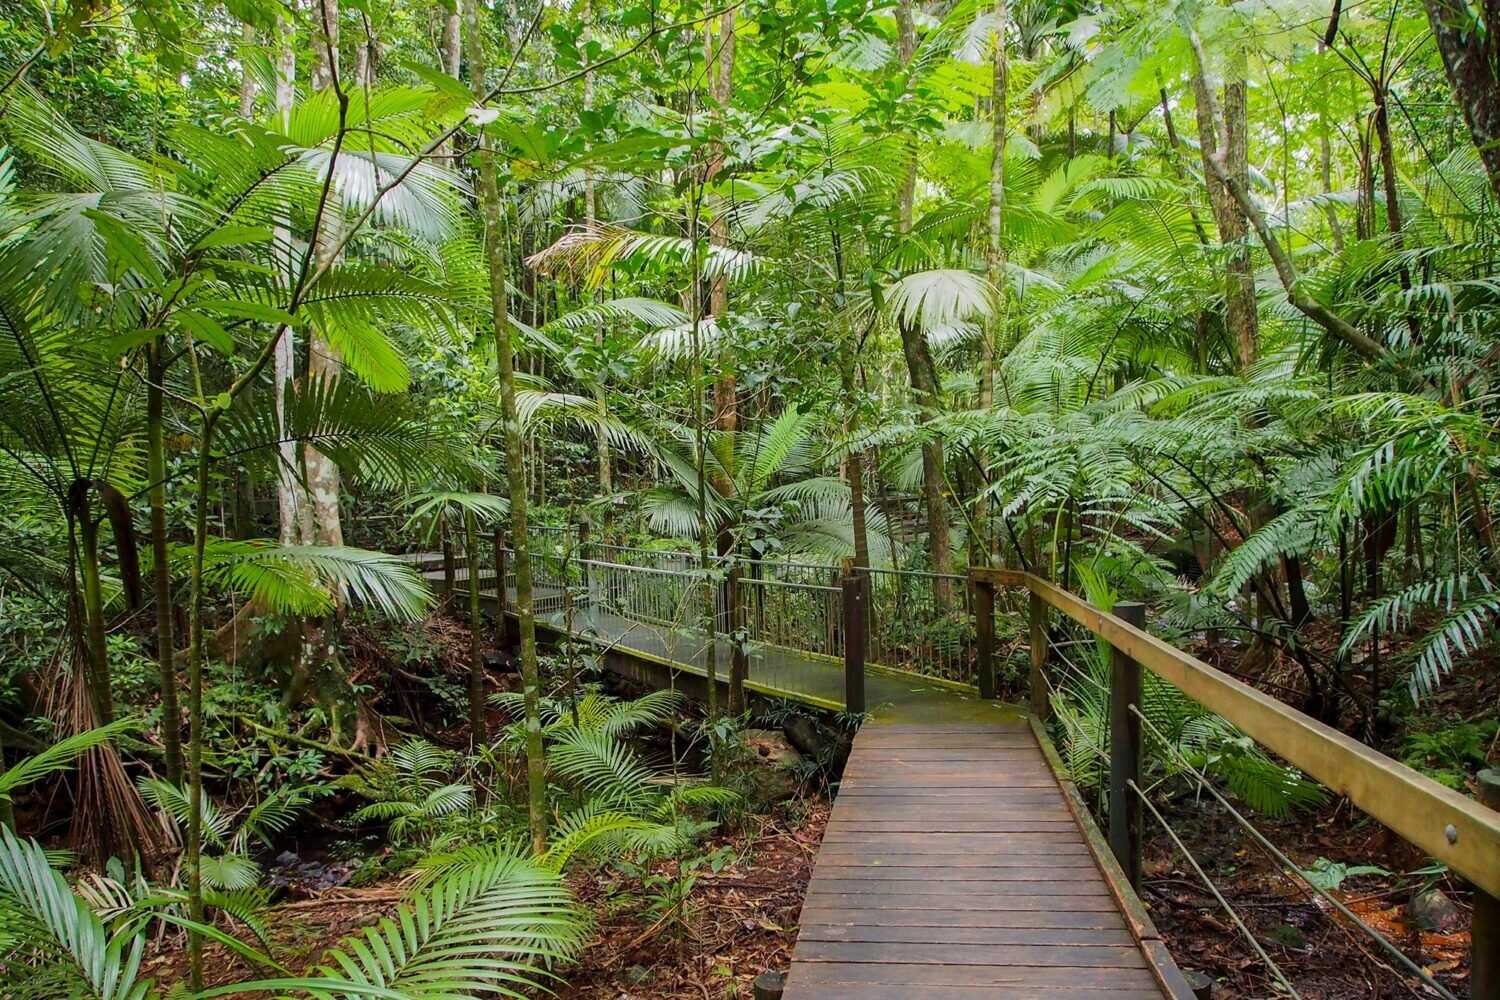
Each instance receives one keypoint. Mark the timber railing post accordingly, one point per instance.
(1041, 701)
(1484, 934)
(855, 599)
(984, 634)
(1125, 751)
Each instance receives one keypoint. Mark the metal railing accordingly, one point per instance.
(923, 623)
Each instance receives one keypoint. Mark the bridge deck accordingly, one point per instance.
(952, 868)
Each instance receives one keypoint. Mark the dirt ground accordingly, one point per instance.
(733, 924)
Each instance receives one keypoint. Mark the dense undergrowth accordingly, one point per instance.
(1189, 303)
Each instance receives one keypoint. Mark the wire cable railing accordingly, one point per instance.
(1116, 690)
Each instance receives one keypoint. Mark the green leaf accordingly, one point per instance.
(243, 309)
(205, 329)
(233, 234)
(125, 246)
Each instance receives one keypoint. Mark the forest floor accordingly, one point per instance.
(734, 917)
(1322, 953)
(739, 921)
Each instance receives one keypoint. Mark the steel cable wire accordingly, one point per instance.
(1288, 863)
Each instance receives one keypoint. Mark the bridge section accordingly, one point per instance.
(953, 867)
(960, 861)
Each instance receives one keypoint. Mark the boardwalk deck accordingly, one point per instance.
(952, 868)
(954, 865)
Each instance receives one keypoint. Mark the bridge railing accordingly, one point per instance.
(923, 623)
(1457, 831)
(920, 623)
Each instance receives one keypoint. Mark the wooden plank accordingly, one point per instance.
(1413, 805)
(877, 991)
(1116, 936)
(995, 886)
(977, 784)
(954, 844)
(893, 916)
(1070, 956)
(990, 826)
(952, 902)
(918, 974)
(948, 862)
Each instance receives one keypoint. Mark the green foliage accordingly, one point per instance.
(1450, 751)
(409, 789)
(496, 925)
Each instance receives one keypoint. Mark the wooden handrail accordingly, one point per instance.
(1451, 827)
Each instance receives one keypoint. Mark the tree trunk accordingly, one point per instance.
(192, 859)
(1471, 57)
(291, 498)
(1239, 281)
(601, 402)
(161, 580)
(515, 470)
(720, 57)
(322, 357)
(706, 534)
(919, 364)
(1325, 172)
(248, 87)
(1286, 271)
(96, 648)
(994, 266)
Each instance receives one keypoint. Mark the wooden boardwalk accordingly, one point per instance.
(953, 868)
(958, 864)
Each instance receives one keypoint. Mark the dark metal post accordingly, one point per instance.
(1484, 934)
(502, 597)
(583, 566)
(1125, 751)
(739, 664)
(984, 633)
(1041, 703)
(450, 570)
(854, 643)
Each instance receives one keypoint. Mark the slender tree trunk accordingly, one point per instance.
(161, 579)
(192, 857)
(853, 465)
(1468, 38)
(1174, 145)
(248, 86)
(919, 364)
(1239, 280)
(601, 402)
(95, 643)
(1325, 171)
(294, 513)
(720, 57)
(322, 357)
(994, 266)
(515, 469)
(706, 533)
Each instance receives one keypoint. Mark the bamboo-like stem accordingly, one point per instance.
(515, 465)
